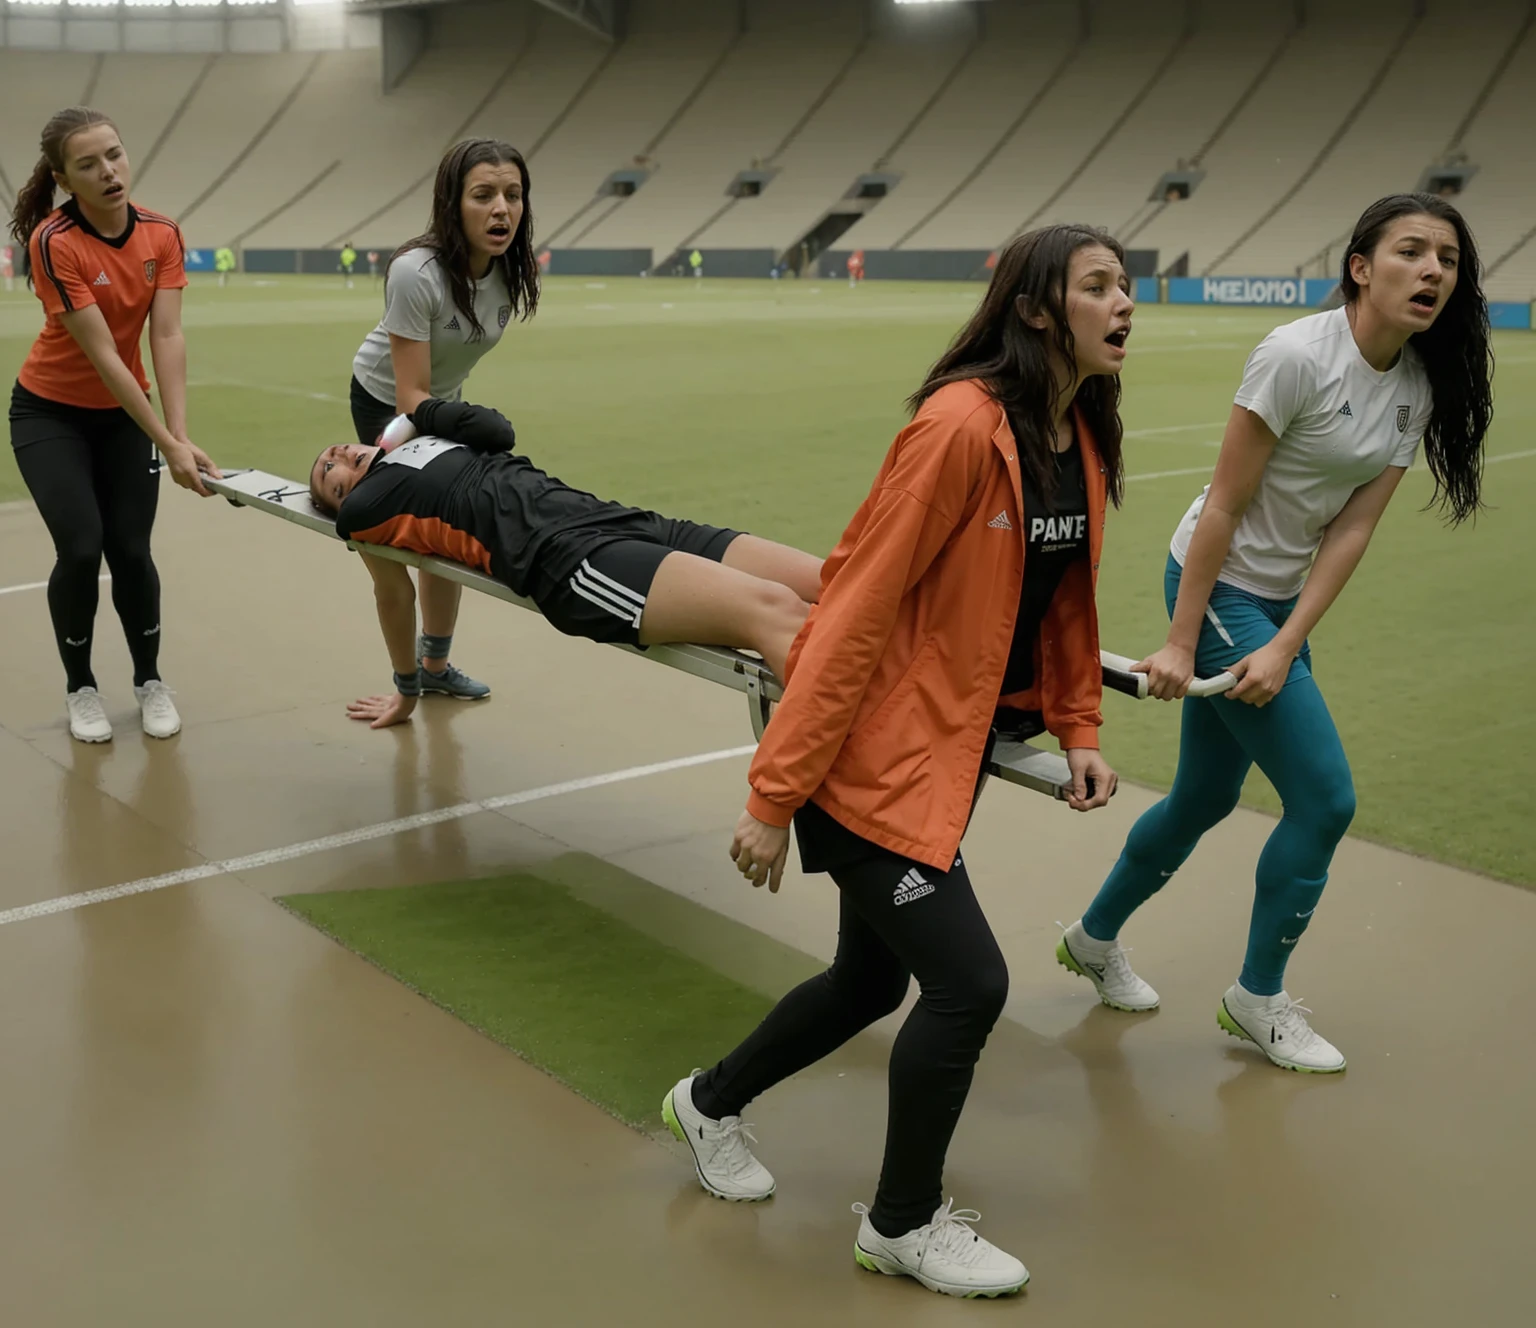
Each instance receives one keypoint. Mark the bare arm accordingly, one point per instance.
(412, 364)
(1245, 451)
(1263, 673)
(168, 352)
(395, 599)
(89, 329)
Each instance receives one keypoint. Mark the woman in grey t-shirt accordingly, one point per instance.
(448, 296)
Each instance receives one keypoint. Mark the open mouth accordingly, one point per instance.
(1424, 300)
(112, 190)
(1118, 338)
(499, 231)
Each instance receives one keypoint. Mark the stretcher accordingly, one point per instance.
(1014, 759)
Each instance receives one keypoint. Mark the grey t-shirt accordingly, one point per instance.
(418, 307)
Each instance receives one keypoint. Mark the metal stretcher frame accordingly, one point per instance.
(1013, 762)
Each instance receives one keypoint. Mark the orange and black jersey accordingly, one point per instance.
(73, 266)
(460, 492)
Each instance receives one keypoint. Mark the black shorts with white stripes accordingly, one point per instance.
(593, 582)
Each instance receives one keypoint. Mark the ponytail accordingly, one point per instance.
(34, 200)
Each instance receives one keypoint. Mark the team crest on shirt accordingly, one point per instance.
(503, 315)
(1402, 419)
(149, 270)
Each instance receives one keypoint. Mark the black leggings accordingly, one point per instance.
(369, 414)
(897, 919)
(95, 477)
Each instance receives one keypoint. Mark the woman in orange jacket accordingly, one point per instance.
(964, 583)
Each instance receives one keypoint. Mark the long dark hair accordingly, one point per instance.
(1013, 359)
(1456, 353)
(445, 236)
(34, 200)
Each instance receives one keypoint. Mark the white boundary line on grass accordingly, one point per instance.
(269, 857)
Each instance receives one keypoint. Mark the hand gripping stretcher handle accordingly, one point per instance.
(1120, 675)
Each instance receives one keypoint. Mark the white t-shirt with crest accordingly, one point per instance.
(1339, 423)
(419, 307)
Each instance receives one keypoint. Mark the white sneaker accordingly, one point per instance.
(725, 1164)
(945, 1256)
(1104, 964)
(1278, 1026)
(88, 721)
(157, 710)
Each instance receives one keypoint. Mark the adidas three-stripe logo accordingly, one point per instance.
(1000, 521)
(452, 325)
(101, 279)
(612, 596)
(912, 886)
(1345, 410)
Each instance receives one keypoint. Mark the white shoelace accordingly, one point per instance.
(87, 706)
(948, 1234)
(734, 1136)
(1116, 965)
(1290, 1018)
(156, 700)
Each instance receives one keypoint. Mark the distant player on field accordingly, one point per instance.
(224, 263)
(1331, 412)
(348, 262)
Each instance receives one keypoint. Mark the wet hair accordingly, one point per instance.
(445, 236)
(1455, 351)
(34, 200)
(1013, 360)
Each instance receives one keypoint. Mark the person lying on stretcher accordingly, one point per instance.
(446, 481)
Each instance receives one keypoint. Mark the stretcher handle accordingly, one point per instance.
(1120, 676)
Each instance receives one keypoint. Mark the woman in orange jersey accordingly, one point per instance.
(82, 425)
(965, 583)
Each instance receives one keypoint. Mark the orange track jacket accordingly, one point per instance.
(893, 680)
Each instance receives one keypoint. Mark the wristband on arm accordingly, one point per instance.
(408, 684)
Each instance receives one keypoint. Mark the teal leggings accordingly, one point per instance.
(1292, 740)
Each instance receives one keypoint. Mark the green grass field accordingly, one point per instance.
(769, 407)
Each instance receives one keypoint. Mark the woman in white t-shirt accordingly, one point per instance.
(1330, 413)
(448, 296)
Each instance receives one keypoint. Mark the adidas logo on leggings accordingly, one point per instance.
(912, 886)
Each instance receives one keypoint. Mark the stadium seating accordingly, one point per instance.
(239, 95)
(1500, 202)
(766, 82)
(1406, 125)
(34, 84)
(989, 118)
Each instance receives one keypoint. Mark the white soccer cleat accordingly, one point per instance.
(1104, 964)
(945, 1256)
(88, 720)
(1278, 1026)
(724, 1163)
(156, 709)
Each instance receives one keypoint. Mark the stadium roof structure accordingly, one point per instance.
(603, 17)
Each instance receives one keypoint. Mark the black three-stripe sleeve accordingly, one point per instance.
(49, 231)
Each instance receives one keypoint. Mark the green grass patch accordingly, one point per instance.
(768, 406)
(614, 1004)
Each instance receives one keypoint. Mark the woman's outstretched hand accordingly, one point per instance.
(1169, 672)
(760, 850)
(381, 712)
